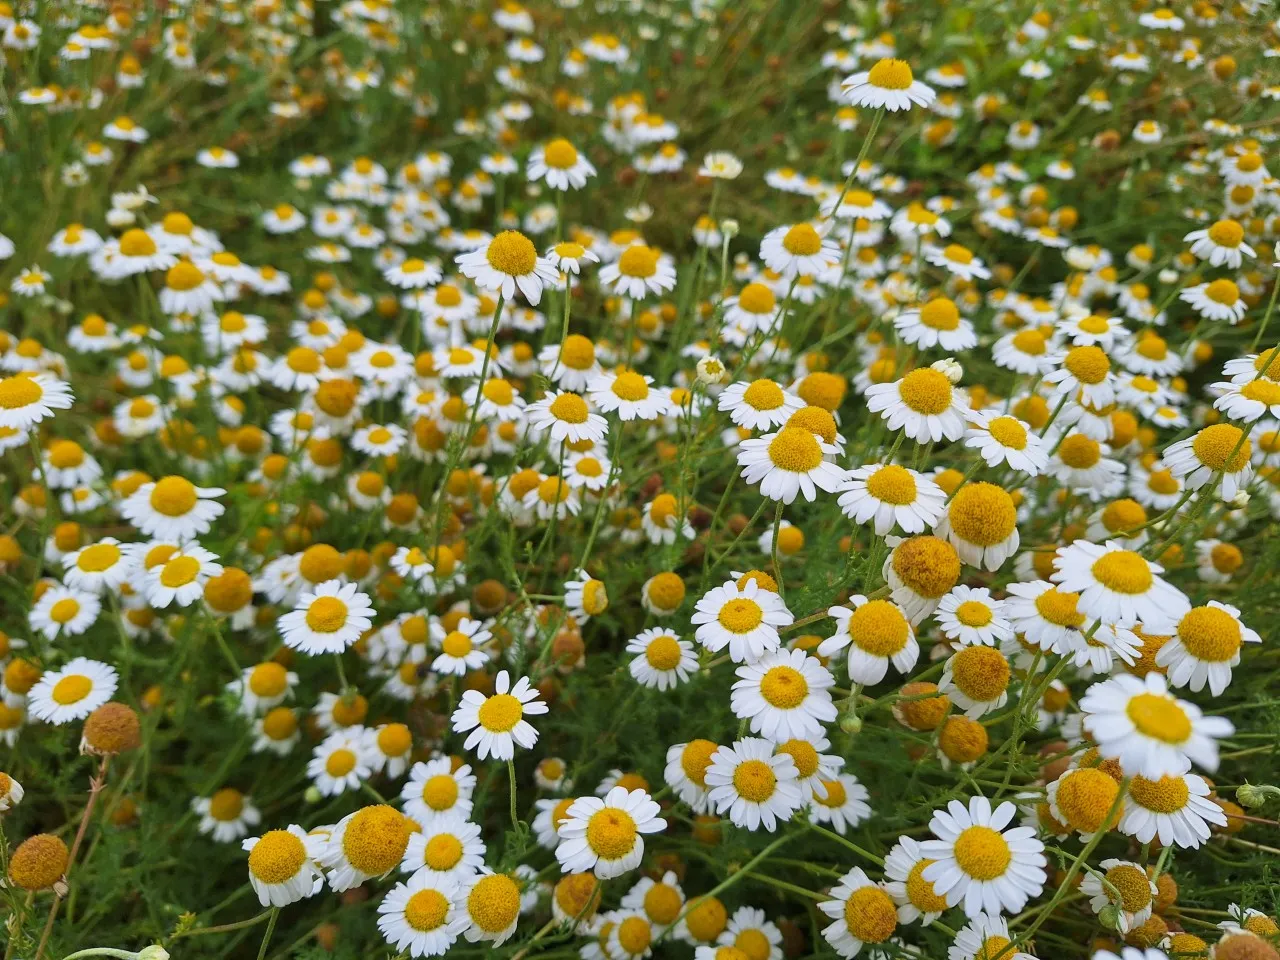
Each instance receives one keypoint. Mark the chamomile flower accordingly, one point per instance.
(1219, 450)
(639, 271)
(877, 633)
(662, 659)
(100, 567)
(506, 263)
(28, 398)
(790, 462)
(339, 763)
(226, 815)
(496, 723)
(368, 843)
(1175, 808)
(753, 785)
(839, 800)
(64, 612)
(743, 618)
(629, 395)
(327, 619)
(888, 495)
(492, 903)
(71, 692)
(565, 417)
(785, 695)
(1222, 244)
(985, 936)
(282, 868)
(460, 648)
(1127, 888)
(181, 578)
(923, 404)
(449, 848)
(437, 789)
(1117, 585)
(970, 615)
(421, 917)
(912, 893)
(1002, 439)
(798, 250)
(173, 508)
(888, 85)
(1205, 645)
(605, 836)
(863, 913)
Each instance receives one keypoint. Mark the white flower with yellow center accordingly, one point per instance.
(72, 692)
(496, 723)
(450, 848)
(1249, 401)
(560, 165)
(413, 564)
(662, 660)
(924, 404)
(839, 800)
(1124, 885)
(605, 836)
(413, 273)
(64, 611)
(1085, 374)
(339, 763)
(460, 648)
(863, 913)
(877, 634)
(388, 748)
(913, 894)
(173, 508)
(1221, 449)
(1117, 586)
(790, 462)
(985, 937)
(937, 323)
(566, 417)
(436, 789)
(572, 364)
(227, 815)
(981, 522)
(1216, 300)
(181, 578)
(1205, 645)
(970, 615)
(754, 310)
(1151, 732)
(422, 917)
(798, 250)
(507, 262)
(753, 785)
(261, 687)
(759, 405)
(1216, 560)
(1222, 244)
(630, 395)
(638, 271)
(888, 85)
(785, 695)
(686, 771)
(98, 568)
(379, 440)
(366, 844)
(980, 864)
(976, 678)
(743, 618)
(491, 901)
(751, 932)
(961, 262)
(327, 619)
(28, 398)
(1004, 439)
(282, 868)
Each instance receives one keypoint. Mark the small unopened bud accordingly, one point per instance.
(1109, 916)
(950, 367)
(312, 795)
(1240, 500)
(1254, 796)
(730, 228)
(640, 213)
(710, 370)
(153, 952)
(851, 723)
(459, 47)
(120, 218)
(1168, 275)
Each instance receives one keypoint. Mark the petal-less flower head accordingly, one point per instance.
(889, 84)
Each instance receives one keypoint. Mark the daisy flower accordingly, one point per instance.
(339, 763)
(980, 864)
(759, 405)
(460, 648)
(913, 894)
(368, 843)
(1128, 888)
(970, 615)
(497, 723)
(1216, 300)
(840, 801)
(888, 85)
(566, 417)
(638, 271)
(1222, 244)
(491, 902)
(173, 508)
(435, 789)
(798, 250)
(937, 323)
(507, 262)
(976, 678)
(891, 495)
(447, 849)
(1004, 439)
(28, 398)
(227, 815)
(753, 785)
(785, 695)
(66, 611)
(1205, 645)
(560, 165)
(923, 404)
(1249, 401)
(181, 578)
(1221, 449)
(743, 618)
(421, 917)
(662, 660)
(863, 912)
(877, 634)
(629, 395)
(1152, 733)
(282, 867)
(605, 836)
(1116, 585)
(327, 619)
(1175, 808)
(981, 522)
(985, 936)
(790, 462)
(71, 692)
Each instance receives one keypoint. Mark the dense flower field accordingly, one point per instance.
(610, 478)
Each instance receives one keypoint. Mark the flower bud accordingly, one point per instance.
(710, 370)
(851, 723)
(950, 367)
(312, 795)
(730, 228)
(1168, 276)
(153, 952)
(1241, 499)
(120, 218)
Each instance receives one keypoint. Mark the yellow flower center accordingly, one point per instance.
(927, 565)
(375, 839)
(179, 571)
(994, 948)
(740, 615)
(892, 484)
(1162, 482)
(942, 313)
(1133, 886)
(638, 261)
(982, 853)
(1223, 291)
(663, 653)
(1227, 233)
(784, 688)
(973, 613)
(981, 673)
(879, 628)
(802, 240)
(1166, 795)
(891, 74)
(1085, 796)
(184, 276)
(268, 679)
(1210, 633)
(443, 851)
(440, 792)
(494, 903)
(277, 857)
(1262, 390)
(630, 386)
(512, 253)
(983, 514)
(226, 804)
(1089, 365)
(65, 610)
(339, 763)
(634, 935)
(611, 833)
(570, 408)
(754, 944)
(764, 395)
(1079, 452)
(1123, 571)
(1030, 342)
(499, 392)
(136, 243)
(500, 713)
(577, 352)
(71, 689)
(926, 391)
(560, 154)
(1159, 717)
(1122, 516)
(426, 910)
(920, 891)
(1226, 558)
(696, 758)
(173, 496)
(754, 780)
(97, 558)
(18, 392)
(1215, 444)
(757, 298)
(326, 615)
(796, 450)
(553, 490)
(870, 914)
